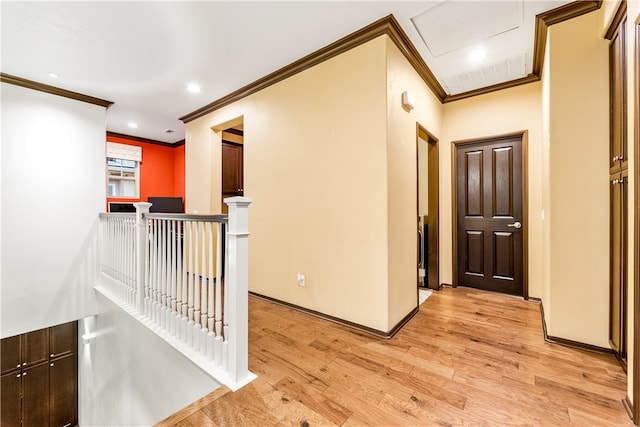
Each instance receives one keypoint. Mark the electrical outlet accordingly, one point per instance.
(300, 279)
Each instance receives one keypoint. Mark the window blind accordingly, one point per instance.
(123, 151)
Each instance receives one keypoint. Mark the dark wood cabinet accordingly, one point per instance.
(35, 396)
(618, 156)
(62, 340)
(40, 378)
(618, 187)
(63, 392)
(10, 404)
(10, 354)
(618, 265)
(35, 347)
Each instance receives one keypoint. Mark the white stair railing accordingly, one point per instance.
(185, 277)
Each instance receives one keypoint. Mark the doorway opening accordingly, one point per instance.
(427, 215)
(490, 214)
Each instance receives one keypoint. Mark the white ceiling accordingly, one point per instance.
(142, 55)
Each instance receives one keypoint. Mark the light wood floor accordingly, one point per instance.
(468, 358)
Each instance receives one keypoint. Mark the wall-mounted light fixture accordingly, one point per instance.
(86, 338)
(407, 101)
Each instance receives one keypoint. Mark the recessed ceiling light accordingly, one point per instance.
(132, 125)
(53, 75)
(477, 54)
(193, 88)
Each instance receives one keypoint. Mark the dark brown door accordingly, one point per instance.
(35, 396)
(10, 410)
(62, 383)
(232, 170)
(489, 215)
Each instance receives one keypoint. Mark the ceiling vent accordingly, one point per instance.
(507, 70)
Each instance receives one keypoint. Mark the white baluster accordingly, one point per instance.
(148, 297)
(167, 293)
(221, 235)
(179, 283)
(172, 293)
(203, 291)
(163, 274)
(185, 285)
(158, 281)
(118, 276)
(210, 285)
(190, 322)
(131, 262)
(197, 289)
(154, 274)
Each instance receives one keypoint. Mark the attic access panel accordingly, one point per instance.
(452, 25)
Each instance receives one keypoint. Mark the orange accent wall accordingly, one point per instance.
(161, 171)
(178, 171)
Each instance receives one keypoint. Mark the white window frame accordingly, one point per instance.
(124, 153)
(121, 178)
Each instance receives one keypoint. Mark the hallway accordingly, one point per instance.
(468, 357)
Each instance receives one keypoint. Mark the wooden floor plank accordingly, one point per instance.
(469, 357)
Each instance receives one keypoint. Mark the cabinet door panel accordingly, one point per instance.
(10, 353)
(618, 265)
(62, 339)
(618, 100)
(35, 398)
(62, 386)
(35, 346)
(615, 282)
(10, 400)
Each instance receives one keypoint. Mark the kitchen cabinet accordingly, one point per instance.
(40, 378)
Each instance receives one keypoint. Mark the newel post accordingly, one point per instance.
(237, 288)
(142, 237)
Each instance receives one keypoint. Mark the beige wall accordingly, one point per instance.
(496, 113)
(578, 185)
(402, 176)
(319, 167)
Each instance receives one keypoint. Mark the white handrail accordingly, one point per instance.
(186, 278)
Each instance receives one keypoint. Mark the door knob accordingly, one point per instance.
(516, 224)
